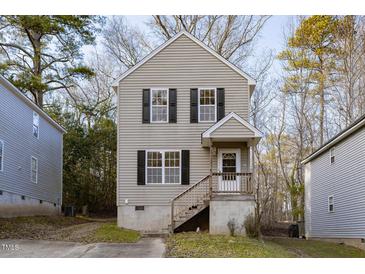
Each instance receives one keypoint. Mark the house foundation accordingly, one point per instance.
(147, 219)
(225, 209)
(15, 205)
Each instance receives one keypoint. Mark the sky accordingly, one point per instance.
(271, 37)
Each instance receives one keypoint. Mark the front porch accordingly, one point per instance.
(228, 187)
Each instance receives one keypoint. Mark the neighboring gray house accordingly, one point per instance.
(184, 141)
(30, 156)
(335, 188)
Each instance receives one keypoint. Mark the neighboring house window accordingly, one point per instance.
(34, 170)
(35, 124)
(330, 204)
(159, 105)
(207, 104)
(332, 153)
(1, 155)
(163, 167)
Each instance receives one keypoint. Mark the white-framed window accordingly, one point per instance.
(331, 204)
(34, 170)
(332, 155)
(163, 166)
(1, 155)
(159, 105)
(36, 124)
(207, 110)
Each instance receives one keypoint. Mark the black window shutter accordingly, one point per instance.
(172, 105)
(193, 105)
(185, 167)
(141, 167)
(146, 106)
(220, 103)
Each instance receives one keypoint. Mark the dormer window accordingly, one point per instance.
(36, 125)
(207, 105)
(159, 105)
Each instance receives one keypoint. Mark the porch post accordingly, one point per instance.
(211, 168)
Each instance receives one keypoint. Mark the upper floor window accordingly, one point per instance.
(207, 105)
(163, 167)
(159, 105)
(331, 204)
(34, 170)
(1, 155)
(35, 124)
(332, 155)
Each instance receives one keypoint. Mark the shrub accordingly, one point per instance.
(250, 226)
(232, 226)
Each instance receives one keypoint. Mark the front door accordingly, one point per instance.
(229, 163)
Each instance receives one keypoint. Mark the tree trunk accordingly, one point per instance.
(35, 39)
(322, 104)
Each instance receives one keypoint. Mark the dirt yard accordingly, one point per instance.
(59, 228)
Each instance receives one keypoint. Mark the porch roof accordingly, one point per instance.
(232, 128)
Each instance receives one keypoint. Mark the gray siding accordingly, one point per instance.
(232, 128)
(345, 180)
(181, 65)
(16, 121)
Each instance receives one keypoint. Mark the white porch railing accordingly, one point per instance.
(232, 182)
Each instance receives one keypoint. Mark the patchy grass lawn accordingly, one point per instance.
(59, 228)
(111, 233)
(318, 249)
(204, 245)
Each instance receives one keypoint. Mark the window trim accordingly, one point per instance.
(31, 170)
(2, 144)
(215, 105)
(167, 106)
(333, 204)
(332, 155)
(33, 124)
(163, 166)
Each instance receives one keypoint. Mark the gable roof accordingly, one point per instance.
(30, 103)
(256, 133)
(357, 124)
(251, 81)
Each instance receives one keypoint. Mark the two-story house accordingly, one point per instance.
(184, 140)
(30, 156)
(335, 188)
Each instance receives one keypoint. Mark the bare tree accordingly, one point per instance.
(348, 100)
(124, 42)
(231, 36)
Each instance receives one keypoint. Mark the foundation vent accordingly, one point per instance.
(139, 208)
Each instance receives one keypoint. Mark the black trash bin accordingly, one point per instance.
(70, 211)
(293, 231)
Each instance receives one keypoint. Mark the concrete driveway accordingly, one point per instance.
(145, 248)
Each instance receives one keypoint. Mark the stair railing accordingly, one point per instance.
(189, 198)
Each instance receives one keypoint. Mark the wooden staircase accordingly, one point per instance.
(197, 197)
(190, 202)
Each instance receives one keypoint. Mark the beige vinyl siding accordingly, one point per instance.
(344, 180)
(181, 65)
(232, 128)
